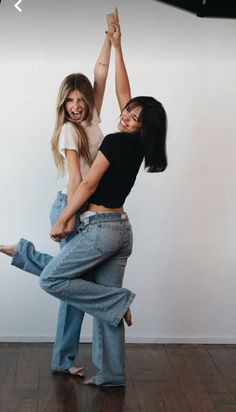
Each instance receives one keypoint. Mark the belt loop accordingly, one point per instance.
(83, 224)
(86, 221)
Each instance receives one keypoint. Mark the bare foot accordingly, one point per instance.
(77, 371)
(8, 250)
(71, 371)
(128, 317)
(90, 382)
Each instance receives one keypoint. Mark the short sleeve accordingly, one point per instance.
(109, 147)
(68, 139)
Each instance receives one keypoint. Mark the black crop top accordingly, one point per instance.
(125, 153)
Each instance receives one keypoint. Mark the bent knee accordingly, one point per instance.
(44, 285)
(44, 282)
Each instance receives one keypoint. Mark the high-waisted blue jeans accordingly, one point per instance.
(103, 244)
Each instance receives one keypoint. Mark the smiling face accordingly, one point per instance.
(130, 119)
(76, 106)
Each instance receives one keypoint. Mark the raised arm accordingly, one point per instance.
(123, 91)
(101, 72)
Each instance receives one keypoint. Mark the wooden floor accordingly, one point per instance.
(176, 378)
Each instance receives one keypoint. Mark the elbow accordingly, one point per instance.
(100, 78)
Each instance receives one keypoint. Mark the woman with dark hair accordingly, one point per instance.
(104, 240)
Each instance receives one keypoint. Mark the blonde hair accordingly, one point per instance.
(80, 82)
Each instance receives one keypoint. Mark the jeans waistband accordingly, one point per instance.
(104, 217)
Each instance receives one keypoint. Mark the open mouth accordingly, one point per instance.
(76, 114)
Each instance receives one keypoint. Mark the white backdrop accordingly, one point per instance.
(183, 264)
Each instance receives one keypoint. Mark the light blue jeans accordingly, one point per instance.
(103, 244)
(69, 321)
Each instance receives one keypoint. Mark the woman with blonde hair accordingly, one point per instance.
(75, 142)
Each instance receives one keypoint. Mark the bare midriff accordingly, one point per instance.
(100, 208)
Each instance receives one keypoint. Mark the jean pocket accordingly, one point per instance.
(108, 237)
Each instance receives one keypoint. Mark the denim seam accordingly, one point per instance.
(64, 258)
(114, 314)
(16, 260)
(60, 368)
(96, 247)
(64, 296)
(123, 312)
(96, 379)
(72, 249)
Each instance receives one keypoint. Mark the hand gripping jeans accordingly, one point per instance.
(103, 244)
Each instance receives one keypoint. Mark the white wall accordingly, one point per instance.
(183, 264)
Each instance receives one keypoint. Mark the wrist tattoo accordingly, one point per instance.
(103, 64)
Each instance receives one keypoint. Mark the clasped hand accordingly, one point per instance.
(61, 228)
(115, 36)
